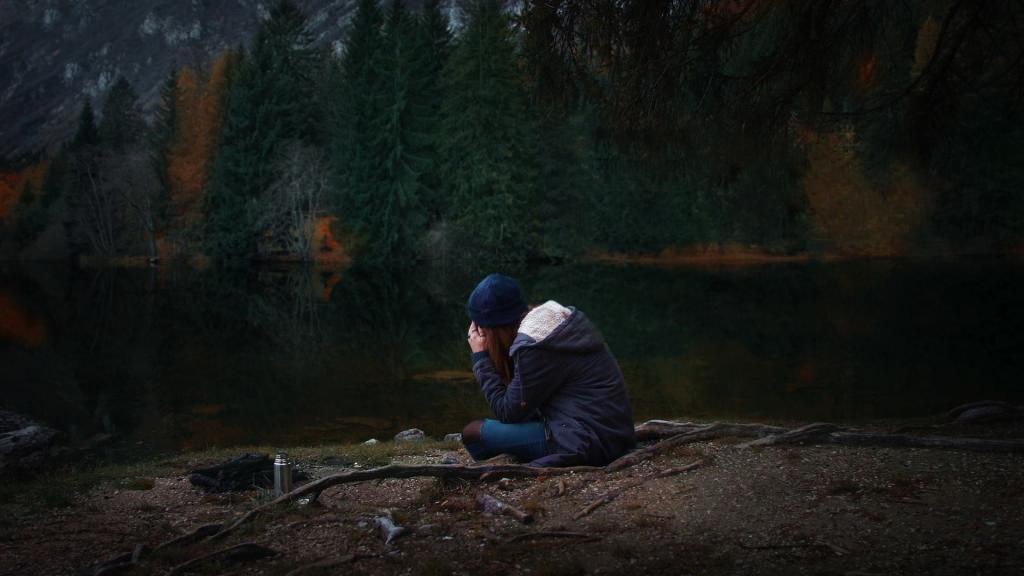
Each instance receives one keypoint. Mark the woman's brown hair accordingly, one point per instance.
(499, 340)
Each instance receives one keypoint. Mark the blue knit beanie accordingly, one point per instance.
(496, 301)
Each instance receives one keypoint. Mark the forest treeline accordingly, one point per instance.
(557, 128)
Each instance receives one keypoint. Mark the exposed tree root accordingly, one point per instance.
(673, 434)
(237, 553)
(653, 429)
(822, 433)
(192, 537)
(983, 411)
(545, 534)
(837, 550)
(328, 563)
(313, 489)
(682, 433)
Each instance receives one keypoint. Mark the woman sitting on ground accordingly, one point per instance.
(554, 386)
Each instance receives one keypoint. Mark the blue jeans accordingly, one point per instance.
(524, 440)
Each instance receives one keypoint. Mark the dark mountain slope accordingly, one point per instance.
(56, 53)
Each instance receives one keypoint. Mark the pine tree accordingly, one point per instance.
(433, 41)
(388, 210)
(355, 103)
(86, 134)
(161, 138)
(122, 125)
(271, 102)
(29, 216)
(55, 180)
(487, 139)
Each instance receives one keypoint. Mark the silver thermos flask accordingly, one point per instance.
(282, 475)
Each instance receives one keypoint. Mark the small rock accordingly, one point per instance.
(412, 434)
(388, 530)
(370, 442)
(454, 437)
(450, 459)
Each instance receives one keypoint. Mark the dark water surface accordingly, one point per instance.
(176, 358)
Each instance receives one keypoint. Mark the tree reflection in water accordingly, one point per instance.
(179, 357)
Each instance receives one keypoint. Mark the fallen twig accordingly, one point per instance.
(119, 563)
(680, 434)
(837, 550)
(655, 429)
(237, 553)
(673, 434)
(192, 537)
(544, 534)
(494, 506)
(613, 494)
(824, 433)
(985, 410)
(398, 471)
(328, 563)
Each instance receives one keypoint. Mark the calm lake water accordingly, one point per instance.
(175, 358)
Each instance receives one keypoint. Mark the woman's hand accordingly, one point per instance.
(477, 339)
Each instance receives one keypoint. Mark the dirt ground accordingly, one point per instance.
(772, 510)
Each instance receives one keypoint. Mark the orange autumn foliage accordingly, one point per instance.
(18, 326)
(326, 248)
(9, 191)
(323, 238)
(927, 41)
(200, 117)
(866, 72)
(853, 213)
(12, 183)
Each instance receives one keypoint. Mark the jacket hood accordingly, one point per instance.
(552, 326)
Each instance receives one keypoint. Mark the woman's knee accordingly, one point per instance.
(471, 433)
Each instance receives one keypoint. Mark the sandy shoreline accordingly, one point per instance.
(798, 509)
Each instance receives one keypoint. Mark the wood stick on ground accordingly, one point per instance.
(837, 550)
(327, 563)
(1005, 407)
(494, 506)
(550, 534)
(237, 553)
(674, 433)
(681, 433)
(119, 563)
(655, 429)
(824, 433)
(192, 537)
(613, 494)
(684, 433)
(399, 471)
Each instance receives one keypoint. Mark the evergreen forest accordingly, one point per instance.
(556, 129)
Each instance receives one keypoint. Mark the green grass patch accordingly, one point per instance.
(63, 487)
(365, 455)
(138, 483)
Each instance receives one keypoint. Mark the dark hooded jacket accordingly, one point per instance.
(565, 373)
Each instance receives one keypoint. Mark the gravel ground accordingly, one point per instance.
(792, 510)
